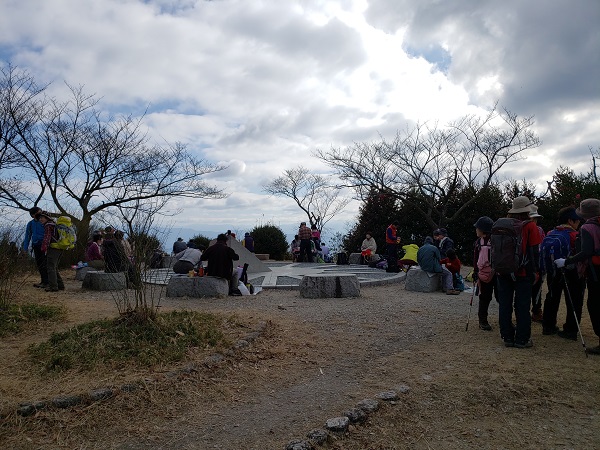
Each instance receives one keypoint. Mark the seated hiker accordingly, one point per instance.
(248, 242)
(220, 259)
(325, 252)
(368, 248)
(179, 245)
(453, 264)
(444, 243)
(93, 254)
(410, 256)
(116, 259)
(428, 258)
(295, 248)
(187, 260)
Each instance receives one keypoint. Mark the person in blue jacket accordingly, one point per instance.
(34, 233)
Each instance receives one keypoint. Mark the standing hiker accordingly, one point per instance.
(34, 232)
(589, 257)
(483, 273)
(515, 256)
(55, 282)
(536, 292)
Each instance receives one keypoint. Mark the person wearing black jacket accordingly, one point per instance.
(220, 259)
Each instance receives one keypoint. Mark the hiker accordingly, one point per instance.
(391, 241)
(93, 253)
(187, 260)
(191, 243)
(55, 282)
(562, 239)
(315, 235)
(444, 243)
(483, 274)
(305, 236)
(179, 245)
(325, 252)
(220, 259)
(368, 248)
(120, 237)
(116, 259)
(295, 248)
(588, 258)
(536, 292)
(410, 256)
(453, 265)
(248, 242)
(34, 233)
(515, 280)
(428, 258)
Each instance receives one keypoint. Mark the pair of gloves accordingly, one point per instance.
(560, 262)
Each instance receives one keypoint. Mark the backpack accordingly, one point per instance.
(506, 241)
(595, 233)
(485, 273)
(342, 259)
(65, 234)
(557, 244)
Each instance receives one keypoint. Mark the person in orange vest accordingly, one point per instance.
(391, 241)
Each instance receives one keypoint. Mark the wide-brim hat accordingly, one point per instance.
(521, 204)
(588, 208)
(534, 213)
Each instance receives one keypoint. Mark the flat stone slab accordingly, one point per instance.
(102, 281)
(262, 256)
(80, 273)
(197, 287)
(329, 286)
(420, 281)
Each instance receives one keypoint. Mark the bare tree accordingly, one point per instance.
(313, 194)
(84, 161)
(426, 165)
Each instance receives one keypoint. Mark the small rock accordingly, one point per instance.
(318, 436)
(26, 409)
(387, 396)
(356, 415)
(368, 405)
(337, 424)
(299, 444)
(213, 360)
(101, 394)
(66, 402)
(241, 344)
(252, 336)
(403, 388)
(427, 377)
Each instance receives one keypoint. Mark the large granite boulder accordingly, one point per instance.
(102, 281)
(197, 287)
(420, 281)
(81, 272)
(329, 286)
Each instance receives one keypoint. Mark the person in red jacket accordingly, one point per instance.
(453, 264)
(55, 282)
(391, 241)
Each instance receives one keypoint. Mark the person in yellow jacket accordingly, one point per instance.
(410, 256)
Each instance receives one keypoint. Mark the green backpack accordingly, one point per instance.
(65, 234)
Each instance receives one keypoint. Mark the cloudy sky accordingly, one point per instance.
(258, 85)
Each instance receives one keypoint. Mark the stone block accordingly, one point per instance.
(197, 287)
(102, 281)
(80, 273)
(420, 281)
(329, 286)
(354, 258)
(262, 256)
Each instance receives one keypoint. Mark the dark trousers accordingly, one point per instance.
(305, 248)
(556, 287)
(536, 296)
(182, 267)
(392, 255)
(593, 301)
(514, 295)
(40, 262)
(486, 291)
(52, 259)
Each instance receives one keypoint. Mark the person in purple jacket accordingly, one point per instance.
(34, 233)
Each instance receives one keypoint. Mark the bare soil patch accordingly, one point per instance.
(316, 359)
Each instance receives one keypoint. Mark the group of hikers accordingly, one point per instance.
(307, 245)
(511, 258)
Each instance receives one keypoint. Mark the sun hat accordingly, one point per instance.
(588, 208)
(534, 213)
(484, 223)
(521, 204)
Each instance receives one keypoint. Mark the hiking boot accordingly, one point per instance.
(40, 285)
(485, 326)
(49, 289)
(572, 336)
(537, 316)
(527, 344)
(509, 343)
(550, 331)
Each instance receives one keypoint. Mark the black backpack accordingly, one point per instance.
(342, 259)
(506, 241)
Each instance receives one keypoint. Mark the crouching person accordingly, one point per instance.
(220, 259)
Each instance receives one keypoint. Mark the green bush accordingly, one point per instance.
(200, 239)
(270, 239)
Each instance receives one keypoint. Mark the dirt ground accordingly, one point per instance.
(315, 360)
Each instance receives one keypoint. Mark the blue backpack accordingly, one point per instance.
(557, 244)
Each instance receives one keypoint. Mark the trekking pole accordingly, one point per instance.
(471, 304)
(574, 313)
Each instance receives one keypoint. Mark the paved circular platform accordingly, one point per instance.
(286, 275)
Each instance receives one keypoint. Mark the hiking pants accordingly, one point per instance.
(447, 279)
(593, 301)
(486, 290)
(305, 249)
(52, 259)
(392, 255)
(40, 262)
(514, 295)
(556, 287)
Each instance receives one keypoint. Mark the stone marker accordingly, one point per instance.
(197, 287)
(420, 281)
(329, 286)
(387, 396)
(299, 444)
(102, 281)
(354, 258)
(368, 405)
(80, 273)
(318, 436)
